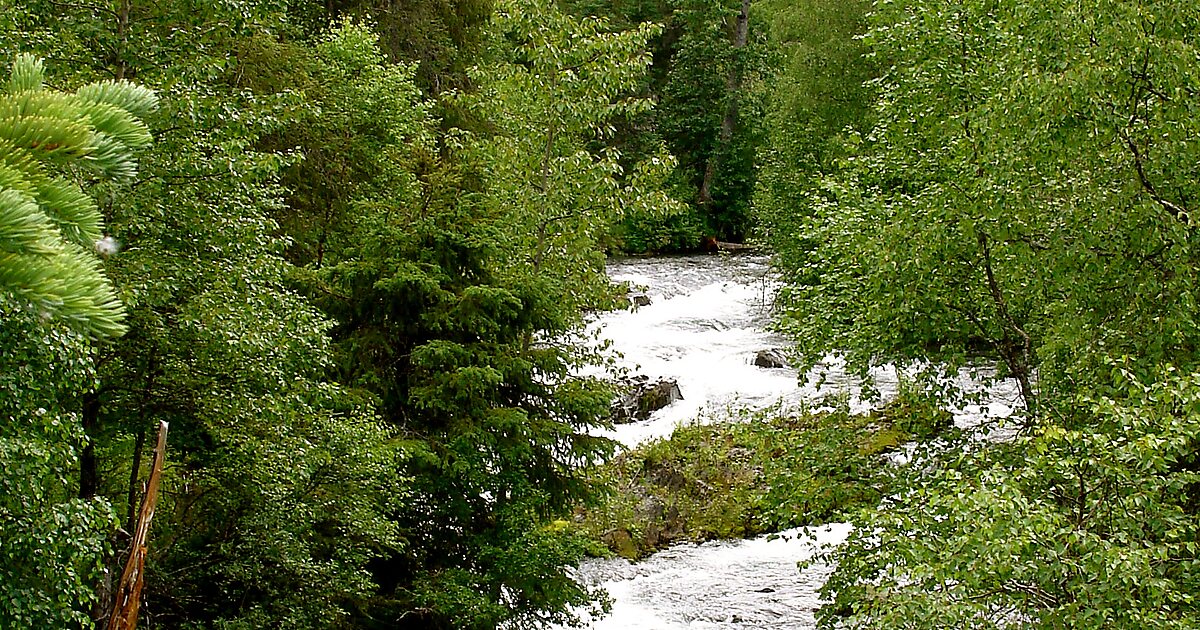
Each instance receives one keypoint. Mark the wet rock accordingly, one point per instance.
(639, 299)
(640, 397)
(770, 359)
(621, 542)
(666, 477)
(661, 525)
(650, 511)
(628, 296)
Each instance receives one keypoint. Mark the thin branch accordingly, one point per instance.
(179, 178)
(1018, 364)
(1180, 214)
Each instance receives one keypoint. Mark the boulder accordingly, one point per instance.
(639, 397)
(628, 296)
(770, 359)
(621, 542)
(639, 299)
(660, 524)
(650, 509)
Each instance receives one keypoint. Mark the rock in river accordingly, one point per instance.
(639, 299)
(639, 398)
(770, 359)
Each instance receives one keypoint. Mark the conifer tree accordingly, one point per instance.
(52, 543)
(48, 225)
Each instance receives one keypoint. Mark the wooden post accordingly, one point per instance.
(129, 590)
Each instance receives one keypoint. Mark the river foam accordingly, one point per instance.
(708, 318)
(726, 584)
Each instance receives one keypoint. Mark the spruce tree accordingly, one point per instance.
(48, 225)
(53, 295)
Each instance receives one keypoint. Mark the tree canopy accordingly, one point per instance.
(347, 249)
(1019, 195)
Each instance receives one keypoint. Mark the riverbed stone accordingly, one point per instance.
(639, 397)
(770, 358)
(639, 299)
(661, 525)
(621, 542)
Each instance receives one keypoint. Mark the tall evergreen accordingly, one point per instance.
(456, 265)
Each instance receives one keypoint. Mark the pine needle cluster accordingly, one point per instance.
(50, 229)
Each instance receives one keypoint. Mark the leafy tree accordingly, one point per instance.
(818, 105)
(440, 38)
(280, 482)
(52, 543)
(1024, 196)
(1081, 528)
(707, 64)
(1024, 193)
(550, 92)
(710, 108)
(53, 296)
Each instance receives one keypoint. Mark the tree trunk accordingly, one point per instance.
(1015, 344)
(89, 476)
(733, 85)
(129, 590)
(134, 470)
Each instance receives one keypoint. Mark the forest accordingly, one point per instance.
(346, 251)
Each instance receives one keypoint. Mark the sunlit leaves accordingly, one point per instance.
(553, 89)
(819, 103)
(1025, 195)
(1030, 141)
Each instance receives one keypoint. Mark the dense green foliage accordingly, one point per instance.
(53, 294)
(345, 249)
(50, 540)
(349, 289)
(706, 78)
(764, 474)
(278, 481)
(352, 265)
(818, 106)
(1087, 528)
(452, 266)
(1022, 194)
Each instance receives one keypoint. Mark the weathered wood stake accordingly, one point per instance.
(129, 590)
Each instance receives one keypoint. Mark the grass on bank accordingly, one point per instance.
(767, 473)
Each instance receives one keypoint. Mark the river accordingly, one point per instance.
(708, 317)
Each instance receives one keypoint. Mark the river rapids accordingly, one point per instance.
(707, 319)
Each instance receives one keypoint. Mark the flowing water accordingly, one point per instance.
(706, 321)
(726, 584)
